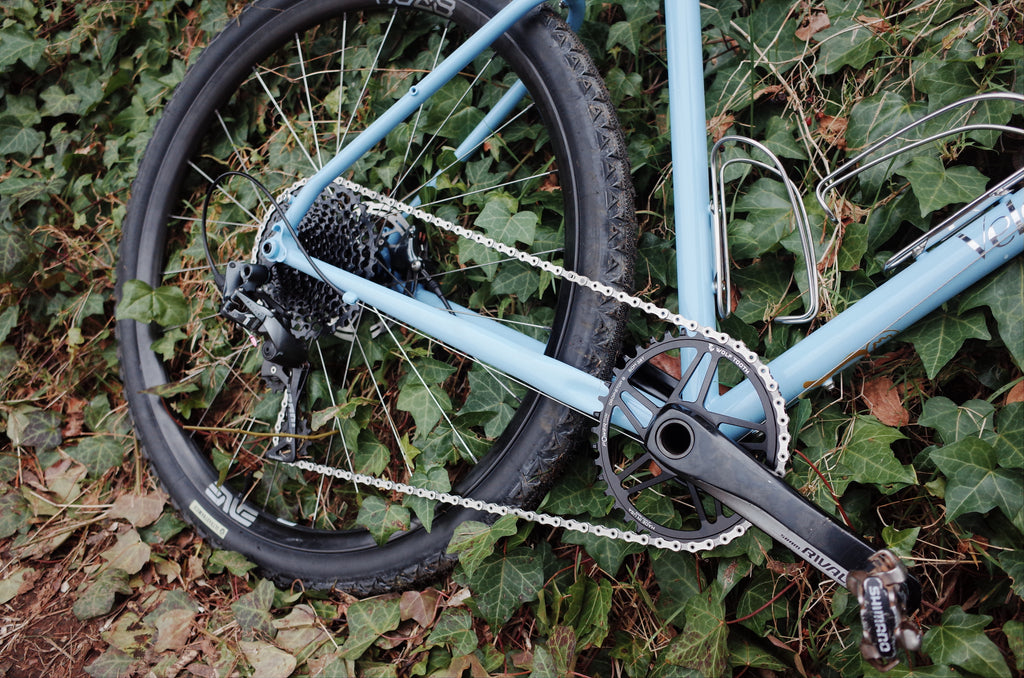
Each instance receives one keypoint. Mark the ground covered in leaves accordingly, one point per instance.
(921, 447)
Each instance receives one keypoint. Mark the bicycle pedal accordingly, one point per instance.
(883, 595)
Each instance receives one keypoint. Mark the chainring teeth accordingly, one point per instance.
(772, 401)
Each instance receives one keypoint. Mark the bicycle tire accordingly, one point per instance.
(230, 501)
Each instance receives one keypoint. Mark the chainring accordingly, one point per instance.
(694, 371)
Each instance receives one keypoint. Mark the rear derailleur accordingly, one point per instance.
(284, 356)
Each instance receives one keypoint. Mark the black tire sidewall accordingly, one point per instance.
(520, 473)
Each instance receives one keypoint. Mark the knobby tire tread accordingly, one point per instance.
(534, 478)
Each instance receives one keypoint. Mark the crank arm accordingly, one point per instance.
(687, 446)
(684, 445)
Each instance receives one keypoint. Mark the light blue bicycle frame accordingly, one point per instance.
(993, 236)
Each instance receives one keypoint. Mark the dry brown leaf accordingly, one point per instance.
(129, 554)
(1016, 394)
(74, 417)
(667, 364)
(833, 130)
(885, 402)
(173, 630)
(818, 21)
(719, 125)
(267, 660)
(139, 510)
(878, 25)
(420, 606)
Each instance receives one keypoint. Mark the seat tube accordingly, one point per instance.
(694, 250)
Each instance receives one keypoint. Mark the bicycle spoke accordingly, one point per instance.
(369, 74)
(309, 101)
(285, 120)
(426, 387)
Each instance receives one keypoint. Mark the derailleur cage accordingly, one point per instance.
(284, 356)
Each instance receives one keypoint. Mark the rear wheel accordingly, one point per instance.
(274, 96)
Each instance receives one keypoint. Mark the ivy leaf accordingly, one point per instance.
(1008, 438)
(625, 33)
(769, 216)
(578, 492)
(20, 44)
(368, 620)
(1014, 631)
(471, 251)
(607, 553)
(590, 604)
(19, 140)
(166, 305)
(1003, 293)
(98, 598)
(8, 321)
(763, 286)
(252, 610)
(777, 42)
(425, 404)
(938, 337)
(702, 644)
(454, 629)
(112, 664)
(875, 117)
(58, 102)
(14, 513)
(782, 140)
(744, 653)
(974, 483)
(503, 582)
(381, 518)
(956, 422)
(562, 646)
(488, 394)
(1012, 563)
(945, 80)
(846, 43)
(434, 478)
(499, 222)
(17, 582)
(868, 456)
(232, 561)
(474, 541)
(961, 640)
(98, 453)
(32, 427)
(516, 278)
(937, 186)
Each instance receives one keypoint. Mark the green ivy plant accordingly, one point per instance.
(919, 447)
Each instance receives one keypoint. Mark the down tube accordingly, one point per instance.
(991, 240)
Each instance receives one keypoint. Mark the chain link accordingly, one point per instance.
(760, 371)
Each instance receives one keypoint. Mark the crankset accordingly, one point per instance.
(681, 468)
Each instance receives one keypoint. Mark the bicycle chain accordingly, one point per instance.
(758, 368)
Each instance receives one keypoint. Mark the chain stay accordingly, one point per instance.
(582, 527)
(760, 370)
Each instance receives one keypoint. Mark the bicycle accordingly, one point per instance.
(282, 425)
